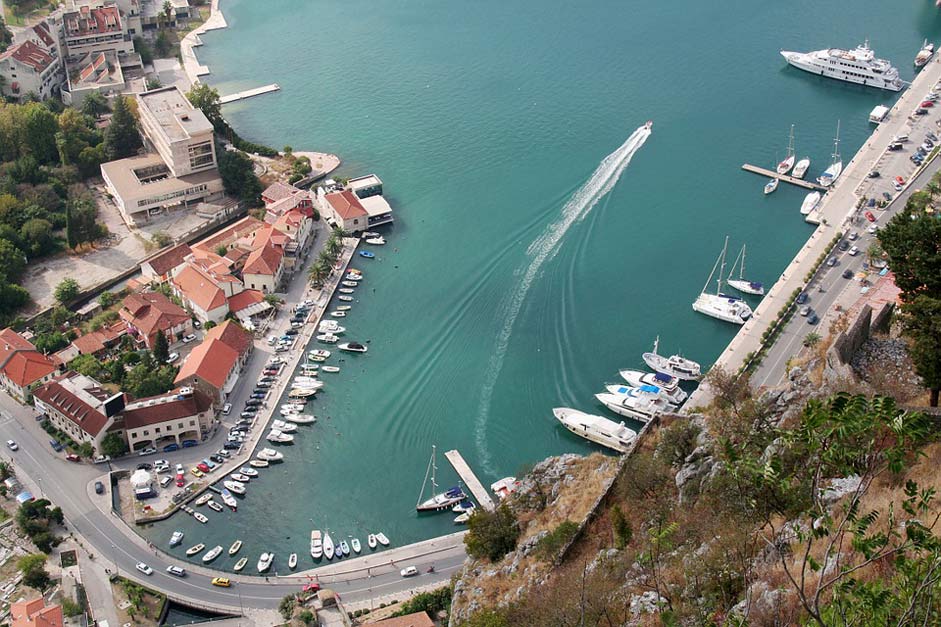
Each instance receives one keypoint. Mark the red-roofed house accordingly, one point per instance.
(247, 299)
(172, 418)
(90, 30)
(212, 368)
(416, 619)
(22, 367)
(201, 292)
(79, 406)
(96, 342)
(295, 225)
(149, 313)
(159, 269)
(235, 337)
(343, 209)
(29, 67)
(280, 198)
(242, 231)
(35, 613)
(263, 267)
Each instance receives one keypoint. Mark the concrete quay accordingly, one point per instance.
(191, 65)
(834, 215)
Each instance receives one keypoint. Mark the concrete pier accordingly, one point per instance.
(470, 479)
(793, 180)
(249, 93)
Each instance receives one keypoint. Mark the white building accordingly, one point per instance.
(29, 67)
(99, 72)
(93, 29)
(179, 132)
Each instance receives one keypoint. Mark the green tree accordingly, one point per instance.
(12, 261)
(94, 104)
(431, 602)
(161, 350)
(113, 445)
(121, 137)
(307, 617)
(67, 290)
(287, 605)
(50, 342)
(162, 45)
(911, 241)
(32, 567)
(41, 129)
(6, 37)
(811, 339)
(487, 618)
(167, 11)
(620, 527)
(921, 321)
(36, 235)
(206, 99)
(87, 365)
(318, 273)
(75, 133)
(90, 160)
(238, 177)
(492, 534)
(106, 299)
(81, 223)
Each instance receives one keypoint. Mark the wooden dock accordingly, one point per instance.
(470, 480)
(754, 169)
(248, 93)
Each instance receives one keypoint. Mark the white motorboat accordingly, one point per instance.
(292, 561)
(669, 385)
(248, 472)
(921, 59)
(462, 518)
(279, 437)
(463, 506)
(301, 392)
(176, 538)
(357, 547)
(264, 562)
(270, 455)
(770, 186)
(319, 353)
(343, 548)
(438, 501)
(810, 203)
(383, 540)
(333, 328)
(235, 548)
(636, 404)
(344, 308)
(346, 290)
(345, 298)
(675, 365)
(308, 384)
(212, 553)
(800, 169)
(237, 476)
(596, 429)
(836, 163)
(338, 314)
(258, 463)
(353, 347)
(328, 548)
(721, 306)
(652, 391)
(301, 419)
(330, 369)
(196, 548)
(216, 507)
(741, 284)
(235, 487)
(203, 498)
(853, 66)
(785, 166)
(370, 234)
(349, 283)
(376, 241)
(228, 499)
(316, 544)
(328, 338)
(371, 541)
(284, 427)
(200, 517)
(504, 487)
(239, 565)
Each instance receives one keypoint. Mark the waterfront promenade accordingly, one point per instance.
(836, 209)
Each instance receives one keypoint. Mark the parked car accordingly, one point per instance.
(217, 458)
(921, 111)
(13, 446)
(147, 451)
(847, 274)
(165, 481)
(144, 466)
(258, 395)
(226, 409)
(873, 228)
(887, 196)
(189, 443)
(895, 146)
(831, 262)
(55, 445)
(801, 298)
(853, 251)
(844, 246)
(926, 104)
(900, 180)
(173, 357)
(172, 446)
(248, 414)
(223, 453)
(291, 332)
(853, 236)
(72, 457)
(805, 310)
(897, 187)
(812, 319)
(176, 571)
(99, 487)
(189, 338)
(196, 472)
(232, 446)
(252, 402)
(144, 568)
(202, 467)
(869, 216)
(197, 324)
(101, 459)
(874, 174)
(180, 481)
(179, 468)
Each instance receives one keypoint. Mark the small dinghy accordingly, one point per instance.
(367, 255)
(301, 419)
(248, 472)
(237, 476)
(376, 241)
(196, 548)
(216, 507)
(345, 299)
(212, 554)
(346, 290)
(292, 561)
(357, 547)
(239, 565)
(205, 498)
(176, 538)
(338, 314)
(236, 546)
(328, 338)
(328, 548)
(330, 369)
(462, 519)
(258, 463)
(371, 541)
(344, 308)
(200, 517)
(344, 548)
(383, 540)
(349, 283)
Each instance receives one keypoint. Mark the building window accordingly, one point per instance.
(157, 430)
(192, 423)
(146, 432)
(179, 425)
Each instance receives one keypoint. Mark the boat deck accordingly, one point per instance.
(754, 169)
(470, 480)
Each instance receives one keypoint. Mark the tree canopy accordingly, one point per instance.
(121, 137)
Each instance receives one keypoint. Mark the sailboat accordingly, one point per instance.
(801, 168)
(836, 165)
(785, 166)
(741, 284)
(810, 203)
(439, 500)
(770, 186)
(721, 306)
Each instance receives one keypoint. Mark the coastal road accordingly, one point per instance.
(829, 288)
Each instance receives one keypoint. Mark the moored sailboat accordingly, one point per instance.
(438, 500)
(721, 306)
(742, 284)
(785, 166)
(836, 164)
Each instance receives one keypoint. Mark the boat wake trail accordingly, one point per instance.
(544, 248)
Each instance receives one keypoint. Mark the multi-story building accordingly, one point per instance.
(359, 207)
(79, 406)
(91, 29)
(22, 367)
(30, 68)
(168, 419)
(214, 366)
(96, 72)
(35, 613)
(150, 313)
(179, 132)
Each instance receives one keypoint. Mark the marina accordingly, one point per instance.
(765, 172)
(463, 469)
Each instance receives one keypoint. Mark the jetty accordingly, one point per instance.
(754, 169)
(249, 93)
(470, 479)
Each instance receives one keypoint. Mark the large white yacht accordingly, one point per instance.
(853, 66)
(721, 306)
(669, 385)
(596, 428)
(636, 404)
(674, 365)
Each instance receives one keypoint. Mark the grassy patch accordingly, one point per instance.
(28, 10)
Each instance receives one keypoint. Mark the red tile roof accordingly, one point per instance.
(152, 312)
(228, 236)
(179, 407)
(245, 299)
(20, 361)
(346, 204)
(34, 613)
(88, 21)
(265, 259)
(232, 335)
(42, 31)
(29, 53)
(97, 341)
(278, 191)
(199, 288)
(167, 261)
(416, 619)
(89, 419)
(211, 361)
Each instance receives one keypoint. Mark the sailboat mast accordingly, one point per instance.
(722, 271)
(427, 472)
(836, 144)
(712, 274)
(741, 268)
(790, 143)
(735, 263)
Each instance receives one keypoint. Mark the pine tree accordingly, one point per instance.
(121, 137)
(161, 349)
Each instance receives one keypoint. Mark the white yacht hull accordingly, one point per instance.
(747, 287)
(801, 168)
(721, 307)
(821, 63)
(669, 389)
(596, 429)
(810, 203)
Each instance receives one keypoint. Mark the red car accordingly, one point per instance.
(180, 481)
(203, 467)
(869, 216)
(900, 180)
(926, 104)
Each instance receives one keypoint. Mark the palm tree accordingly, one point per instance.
(933, 187)
(167, 10)
(339, 233)
(812, 339)
(334, 246)
(318, 273)
(326, 258)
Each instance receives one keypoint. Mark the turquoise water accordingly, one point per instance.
(483, 120)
